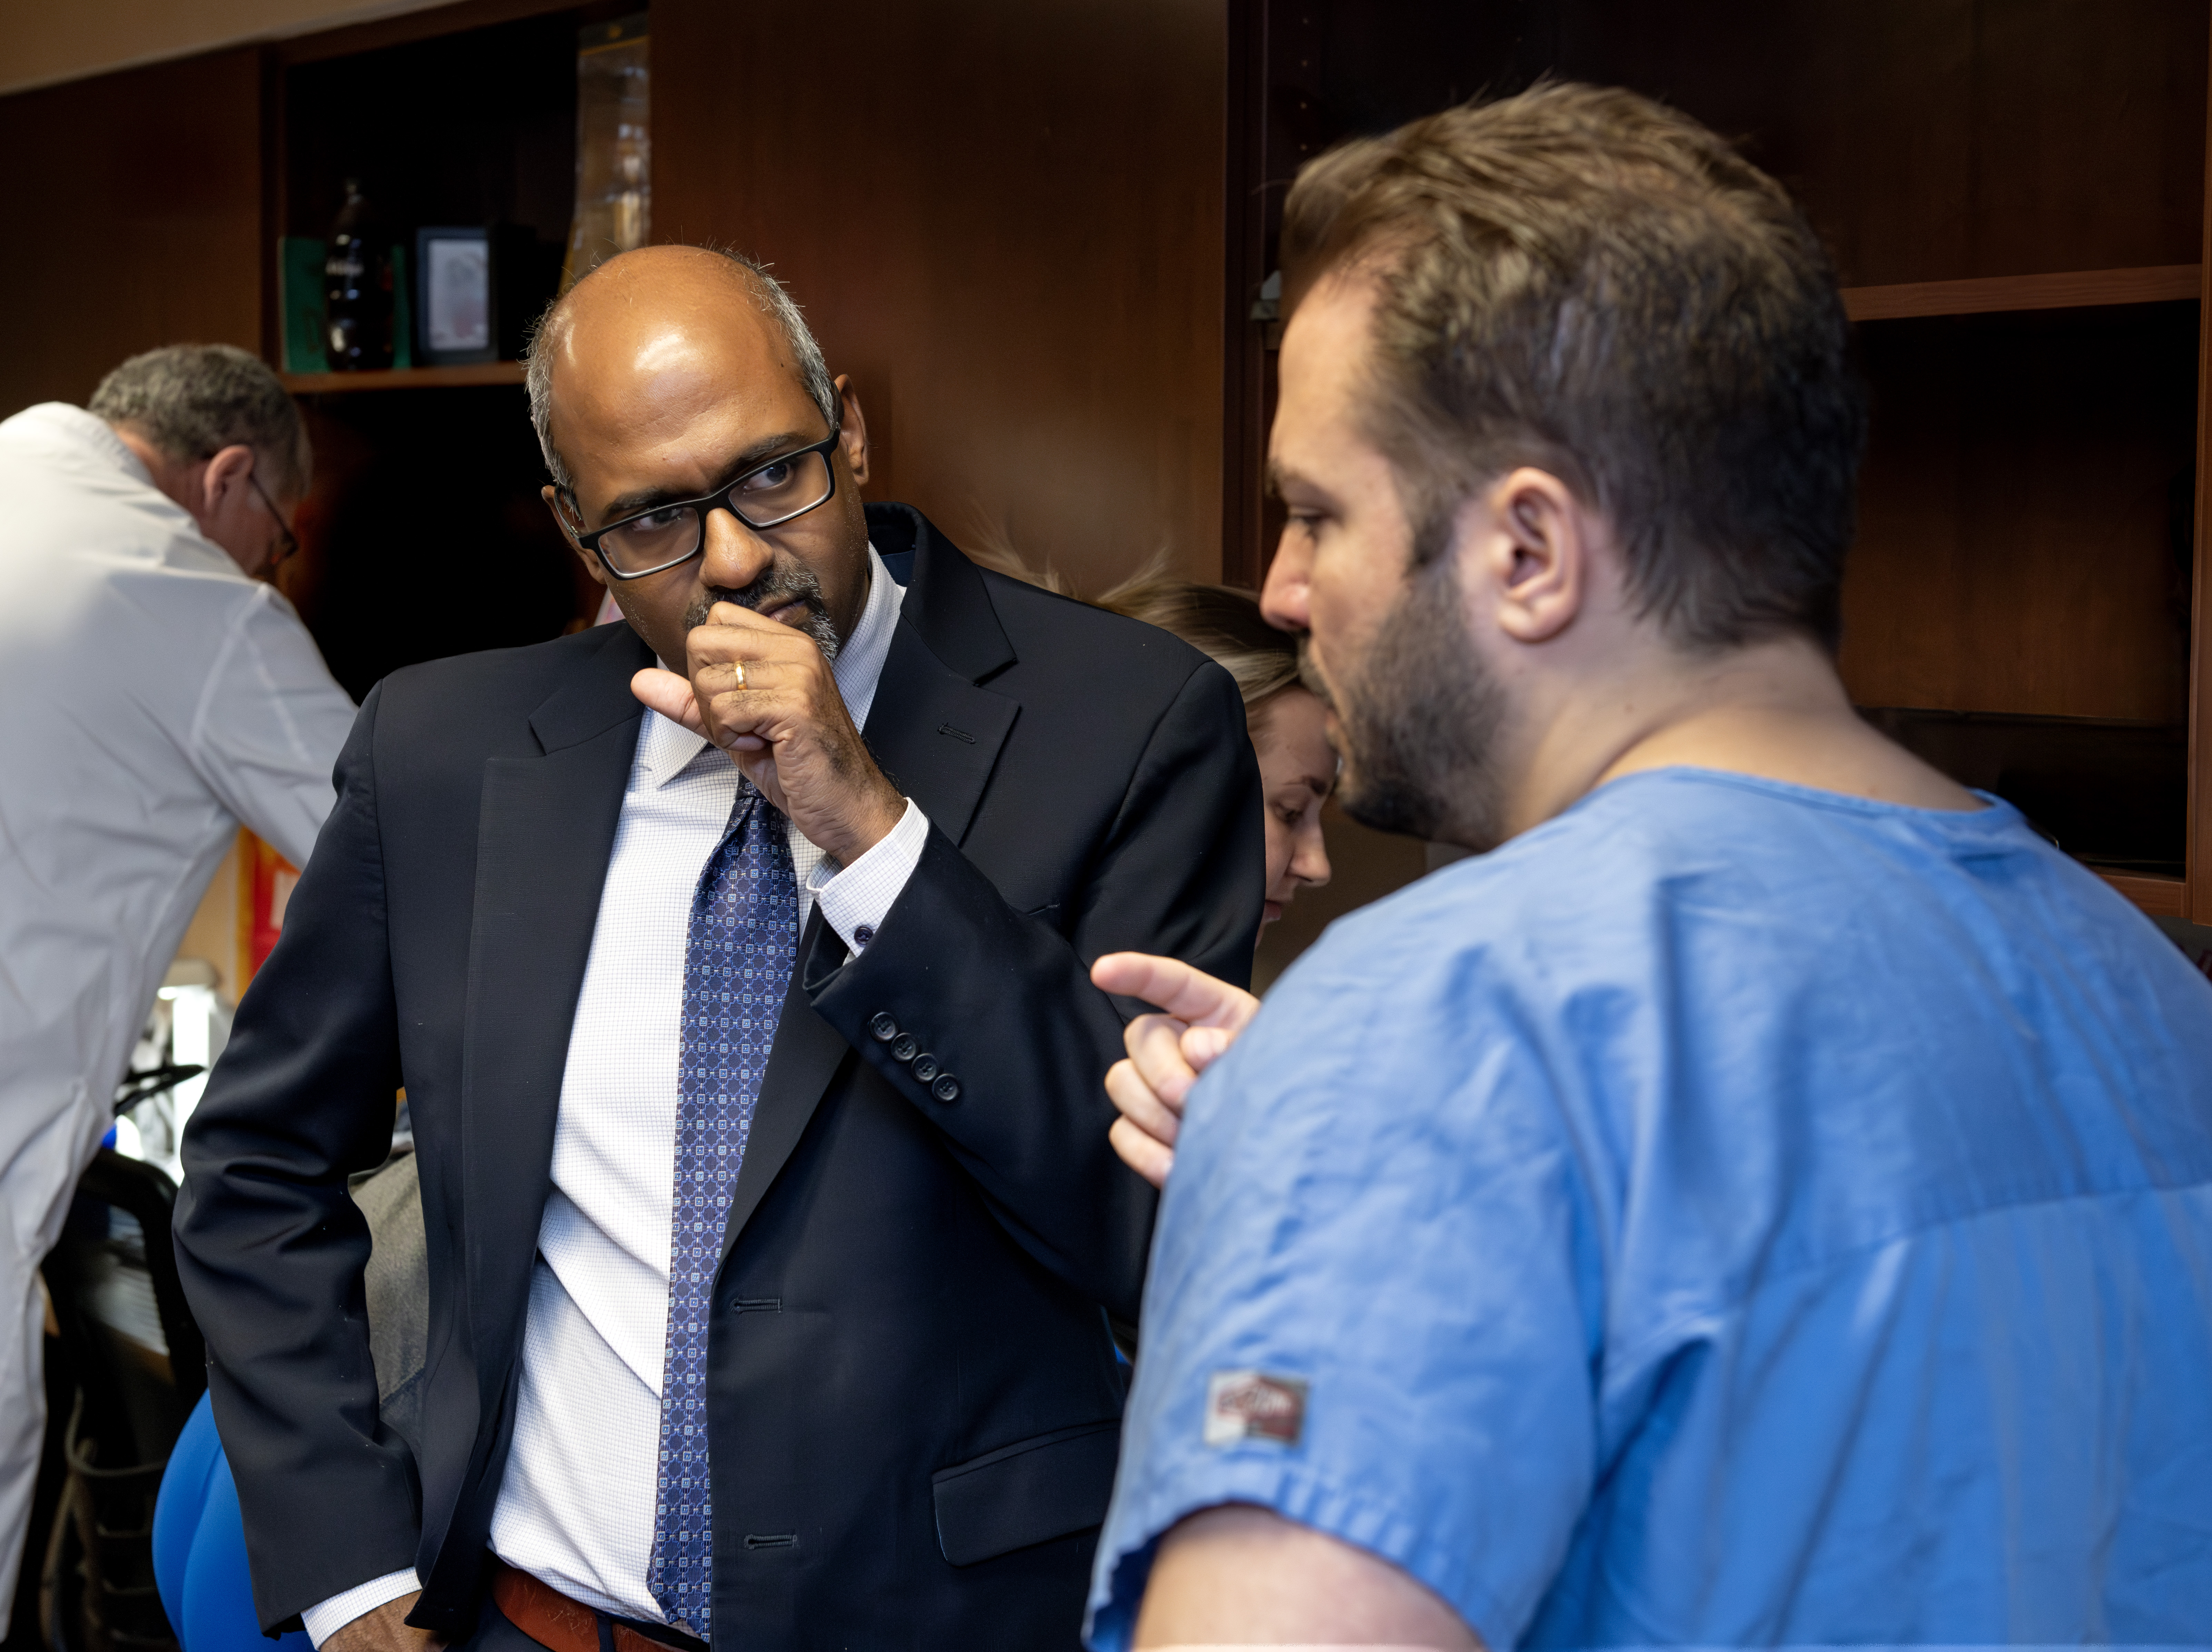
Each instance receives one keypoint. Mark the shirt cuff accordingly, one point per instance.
(326, 1620)
(856, 899)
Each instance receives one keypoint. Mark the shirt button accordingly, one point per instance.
(884, 1026)
(865, 934)
(904, 1047)
(946, 1088)
(925, 1067)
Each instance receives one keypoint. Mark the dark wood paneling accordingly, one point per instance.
(2162, 897)
(1929, 140)
(1244, 369)
(424, 535)
(2197, 905)
(340, 384)
(137, 200)
(1991, 294)
(485, 133)
(1934, 140)
(2025, 515)
(1005, 223)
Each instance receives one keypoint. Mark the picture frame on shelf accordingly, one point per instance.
(457, 296)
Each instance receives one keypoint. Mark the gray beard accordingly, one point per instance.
(779, 583)
(1419, 718)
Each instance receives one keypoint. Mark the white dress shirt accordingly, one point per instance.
(577, 1506)
(152, 697)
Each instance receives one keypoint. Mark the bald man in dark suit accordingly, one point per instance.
(735, 961)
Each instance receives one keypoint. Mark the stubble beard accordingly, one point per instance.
(779, 583)
(1418, 717)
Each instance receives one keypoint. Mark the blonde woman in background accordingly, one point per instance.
(1298, 769)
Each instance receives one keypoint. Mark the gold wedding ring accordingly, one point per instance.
(739, 667)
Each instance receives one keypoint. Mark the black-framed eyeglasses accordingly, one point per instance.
(290, 544)
(767, 496)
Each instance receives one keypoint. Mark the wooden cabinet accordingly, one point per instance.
(2015, 196)
(1037, 238)
(425, 535)
(1004, 222)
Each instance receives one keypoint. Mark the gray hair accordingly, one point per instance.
(768, 296)
(192, 401)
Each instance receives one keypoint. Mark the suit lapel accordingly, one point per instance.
(937, 735)
(932, 729)
(545, 831)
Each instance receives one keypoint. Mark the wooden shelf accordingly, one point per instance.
(2066, 290)
(2159, 898)
(476, 373)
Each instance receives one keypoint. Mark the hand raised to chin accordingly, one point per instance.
(765, 694)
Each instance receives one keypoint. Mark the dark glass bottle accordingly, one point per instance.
(357, 287)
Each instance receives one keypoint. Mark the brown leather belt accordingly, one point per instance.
(560, 1624)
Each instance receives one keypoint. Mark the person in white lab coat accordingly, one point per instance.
(153, 696)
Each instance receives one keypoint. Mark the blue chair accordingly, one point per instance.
(199, 1537)
(199, 1548)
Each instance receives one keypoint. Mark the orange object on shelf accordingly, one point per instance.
(263, 892)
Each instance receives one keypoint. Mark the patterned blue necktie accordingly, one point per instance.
(736, 967)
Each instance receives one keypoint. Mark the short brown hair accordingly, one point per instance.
(1583, 280)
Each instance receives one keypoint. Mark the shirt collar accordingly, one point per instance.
(78, 428)
(666, 749)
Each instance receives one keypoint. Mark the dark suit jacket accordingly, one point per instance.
(915, 1401)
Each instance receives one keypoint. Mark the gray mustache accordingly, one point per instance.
(767, 591)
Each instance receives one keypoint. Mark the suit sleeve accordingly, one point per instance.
(270, 1243)
(1002, 1003)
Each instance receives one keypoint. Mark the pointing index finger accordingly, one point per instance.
(1189, 995)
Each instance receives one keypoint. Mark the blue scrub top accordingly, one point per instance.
(1731, 1214)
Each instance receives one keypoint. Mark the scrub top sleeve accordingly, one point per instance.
(1375, 1304)
(270, 723)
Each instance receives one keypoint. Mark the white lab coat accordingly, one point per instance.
(152, 697)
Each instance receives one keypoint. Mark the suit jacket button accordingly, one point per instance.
(946, 1088)
(904, 1047)
(884, 1026)
(925, 1067)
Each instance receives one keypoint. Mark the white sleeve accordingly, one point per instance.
(269, 722)
(326, 1620)
(856, 900)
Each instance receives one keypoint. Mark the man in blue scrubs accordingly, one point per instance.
(1765, 1198)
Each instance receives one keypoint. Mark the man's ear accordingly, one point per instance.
(852, 430)
(1529, 539)
(552, 496)
(226, 474)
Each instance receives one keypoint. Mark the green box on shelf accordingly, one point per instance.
(299, 291)
(403, 311)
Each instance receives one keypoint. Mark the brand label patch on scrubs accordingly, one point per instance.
(1255, 1405)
